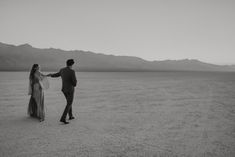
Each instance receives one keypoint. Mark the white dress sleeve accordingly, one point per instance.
(43, 81)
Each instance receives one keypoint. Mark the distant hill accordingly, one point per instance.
(20, 58)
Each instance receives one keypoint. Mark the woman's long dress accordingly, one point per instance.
(36, 102)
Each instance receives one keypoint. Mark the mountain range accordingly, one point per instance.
(22, 57)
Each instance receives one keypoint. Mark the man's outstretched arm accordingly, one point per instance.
(55, 74)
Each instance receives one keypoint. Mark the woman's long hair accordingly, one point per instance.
(33, 70)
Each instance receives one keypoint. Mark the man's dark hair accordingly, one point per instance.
(70, 62)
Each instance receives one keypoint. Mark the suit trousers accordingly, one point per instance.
(68, 109)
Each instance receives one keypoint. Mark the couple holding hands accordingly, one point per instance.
(38, 83)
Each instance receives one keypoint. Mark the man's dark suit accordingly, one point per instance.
(69, 81)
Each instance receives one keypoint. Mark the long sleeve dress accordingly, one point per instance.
(36, 103)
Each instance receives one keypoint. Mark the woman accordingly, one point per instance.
(37, 84)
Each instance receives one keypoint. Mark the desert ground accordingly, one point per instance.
(161, 114)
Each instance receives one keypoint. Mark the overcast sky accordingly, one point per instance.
(150, 29)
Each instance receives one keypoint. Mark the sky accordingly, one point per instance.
(149, 29)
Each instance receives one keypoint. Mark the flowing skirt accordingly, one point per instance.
(36, 103)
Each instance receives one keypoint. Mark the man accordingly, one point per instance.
(69, 81)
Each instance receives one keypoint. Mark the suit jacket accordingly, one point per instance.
(69, 80)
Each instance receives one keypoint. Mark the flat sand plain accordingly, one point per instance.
(162, 114)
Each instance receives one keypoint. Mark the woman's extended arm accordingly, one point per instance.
(41, 74)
